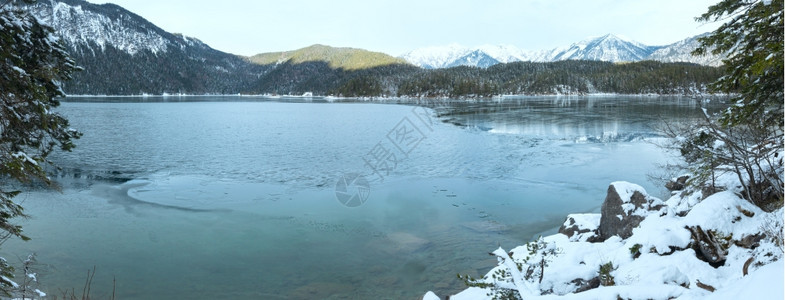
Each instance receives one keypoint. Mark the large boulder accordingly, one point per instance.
(625, 206)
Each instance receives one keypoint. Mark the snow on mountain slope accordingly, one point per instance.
(606, 48)
(79, 26)
(504, 53)
(436, 57)
(476, 58)
(681, 52)
(453, 55)
(543, 55)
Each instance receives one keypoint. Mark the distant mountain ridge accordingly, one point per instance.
(606, 48)
(609, 48)
(124, 54)
(337, 58)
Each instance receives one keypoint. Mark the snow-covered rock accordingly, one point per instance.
(625, 206)
(580, 227)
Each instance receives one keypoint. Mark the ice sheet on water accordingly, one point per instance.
(195, 192)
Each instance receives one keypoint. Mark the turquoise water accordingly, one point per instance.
(236, 197)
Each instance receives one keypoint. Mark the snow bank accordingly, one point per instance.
(762, 284)
(725, 212)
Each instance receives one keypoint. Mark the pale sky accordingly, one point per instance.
(248, 27)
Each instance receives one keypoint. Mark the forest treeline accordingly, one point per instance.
(113, 72)
(529, 78)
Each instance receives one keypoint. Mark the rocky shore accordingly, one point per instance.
(693, 245)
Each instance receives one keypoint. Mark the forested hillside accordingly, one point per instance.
(187, 71)
(520, 78)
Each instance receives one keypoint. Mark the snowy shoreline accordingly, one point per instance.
(330, 98)
(658, 258)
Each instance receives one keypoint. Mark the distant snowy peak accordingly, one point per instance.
(453, 55)
(436, 57)
(606, 48)
(611, 48)
(681, 51)
(504, 53)
(475, 58)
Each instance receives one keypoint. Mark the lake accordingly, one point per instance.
(256, 198)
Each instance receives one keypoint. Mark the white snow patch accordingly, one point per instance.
(430, 296)
(25, 157)
(19, 70)
(13, 284)
(762, 284)
(584, 221)
(719, 211)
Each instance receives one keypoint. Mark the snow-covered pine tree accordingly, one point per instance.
(753, 38)
(32, 65)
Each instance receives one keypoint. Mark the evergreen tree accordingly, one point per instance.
(32, 65)
(753, 39)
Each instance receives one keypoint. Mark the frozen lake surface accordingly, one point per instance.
(235, 198)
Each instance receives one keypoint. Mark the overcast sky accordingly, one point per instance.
(249, 27)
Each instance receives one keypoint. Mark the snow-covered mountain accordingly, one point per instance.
(681, 51)
(436, 57)
(123, 53)
(453, 55)
(475, 58)
(609, 47)
(505, 53)
(605, 48)
(84, 27)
